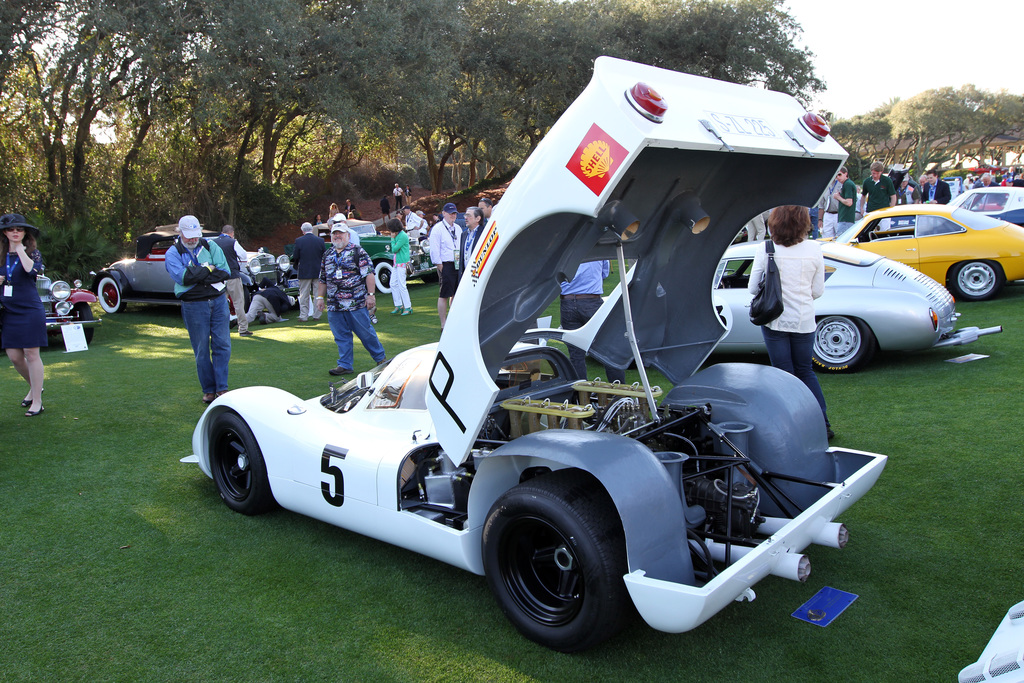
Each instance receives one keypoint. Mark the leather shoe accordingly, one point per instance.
(33, 413)
(338, 371)
(247, 333)
(208, 398)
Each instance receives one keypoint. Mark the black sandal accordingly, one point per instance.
(33, 413)
(25, 403)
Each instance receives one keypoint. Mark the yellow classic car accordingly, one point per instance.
(973, 254)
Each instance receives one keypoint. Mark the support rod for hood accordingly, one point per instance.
(631, 334)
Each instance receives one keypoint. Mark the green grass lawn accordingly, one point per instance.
(118, 563)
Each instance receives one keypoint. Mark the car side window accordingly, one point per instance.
(936, 225)
(735, 273)
(896, 227)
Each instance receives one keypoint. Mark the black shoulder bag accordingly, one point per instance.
(767, 304)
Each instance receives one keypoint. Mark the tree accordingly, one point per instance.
(936, 121)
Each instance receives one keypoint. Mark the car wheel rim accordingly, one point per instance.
(837, 340)
(110, 294)
(976, 279)
(233, 464)
(541, 572)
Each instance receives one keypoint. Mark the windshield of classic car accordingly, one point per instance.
(405, 386)
(987, 201)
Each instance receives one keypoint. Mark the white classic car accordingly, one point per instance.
(870, 303)
(1004, 203)
(576, 498)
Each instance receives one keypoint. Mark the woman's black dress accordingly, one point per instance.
(24, 318)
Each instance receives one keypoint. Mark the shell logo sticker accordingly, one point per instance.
(596, 159)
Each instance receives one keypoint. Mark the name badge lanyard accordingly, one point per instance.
(11, 265)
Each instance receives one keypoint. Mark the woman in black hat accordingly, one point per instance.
(24, 319)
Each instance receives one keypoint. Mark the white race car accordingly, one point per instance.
(576, 498)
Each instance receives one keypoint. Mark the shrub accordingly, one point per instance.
(71, 251)
(262, 207)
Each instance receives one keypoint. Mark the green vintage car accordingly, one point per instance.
(379, 249)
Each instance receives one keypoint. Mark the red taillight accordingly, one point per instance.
(647, 101)
(815, 125)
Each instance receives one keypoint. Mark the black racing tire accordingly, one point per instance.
(976, 280)
(82, 313)
(238, 467)
(382, 277)
(843, 344)
(554, 555)
(108, 291)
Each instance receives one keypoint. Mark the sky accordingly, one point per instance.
(869, 53)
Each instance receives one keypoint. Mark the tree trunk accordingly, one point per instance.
(128, 166)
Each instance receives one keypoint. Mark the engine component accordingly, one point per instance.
(713, 496)
(447, 486)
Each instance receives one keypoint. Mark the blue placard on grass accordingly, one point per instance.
(826, 605)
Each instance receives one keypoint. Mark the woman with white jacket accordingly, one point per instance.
(790, 337)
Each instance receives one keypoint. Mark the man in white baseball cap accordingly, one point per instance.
(199, 269)
(346, 290)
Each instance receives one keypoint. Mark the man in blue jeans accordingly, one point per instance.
(345, 289)
(199, 269)
(579, 301)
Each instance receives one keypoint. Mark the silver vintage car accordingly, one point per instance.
(870, 303)
(145, 279)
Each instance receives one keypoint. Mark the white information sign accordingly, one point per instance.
(74, 338)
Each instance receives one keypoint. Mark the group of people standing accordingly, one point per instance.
(201, 270)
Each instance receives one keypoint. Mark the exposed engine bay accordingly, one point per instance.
(718, 486)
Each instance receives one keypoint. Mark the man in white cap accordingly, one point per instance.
(307, 255)
(339, 221)
(346, 290)
(199, 269)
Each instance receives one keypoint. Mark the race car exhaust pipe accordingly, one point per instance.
(833, 534)
(792, 566)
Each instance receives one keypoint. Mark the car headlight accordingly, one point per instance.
(77, 284)
(60, 290)
(283, 262)
(254, 265)
(63, 308)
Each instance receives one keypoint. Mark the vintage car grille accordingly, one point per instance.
(43, 284)
(267, 262)
(939, 297)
